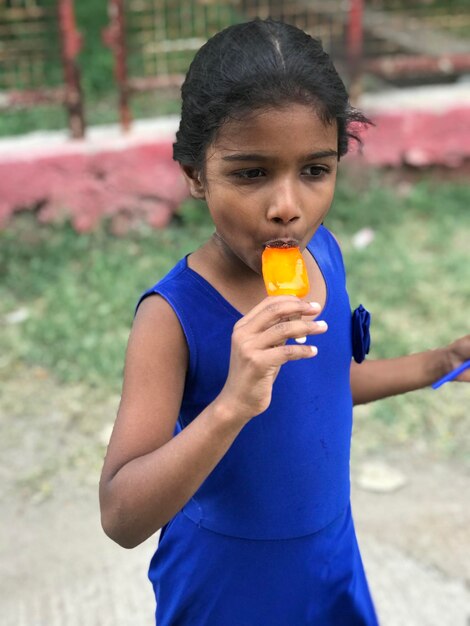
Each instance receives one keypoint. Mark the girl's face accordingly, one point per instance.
(269, 176)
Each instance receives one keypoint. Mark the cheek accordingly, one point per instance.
(222, 212)
(232, 221)
(329, 191)
(330, 194)
(234, 225)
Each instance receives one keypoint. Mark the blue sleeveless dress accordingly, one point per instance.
(268, 539)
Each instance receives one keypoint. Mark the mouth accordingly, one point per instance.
(282, 243)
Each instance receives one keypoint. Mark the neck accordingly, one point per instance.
(228, 261)
(237, 282)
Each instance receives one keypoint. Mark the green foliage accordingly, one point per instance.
(96, 65)
(95, 60)
(198, 20)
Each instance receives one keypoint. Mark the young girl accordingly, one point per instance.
(232, 437)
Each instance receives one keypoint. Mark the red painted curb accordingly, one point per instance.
(137, 179)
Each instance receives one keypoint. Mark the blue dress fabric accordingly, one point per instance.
(268, 538)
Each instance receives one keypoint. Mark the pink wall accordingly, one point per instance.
(136, 181)
(136, 178)
(419, 138)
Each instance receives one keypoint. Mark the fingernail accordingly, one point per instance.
(314, 349)
(322, 324)
(315, 305)
(300, 339)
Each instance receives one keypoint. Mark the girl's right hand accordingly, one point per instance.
(259, 349)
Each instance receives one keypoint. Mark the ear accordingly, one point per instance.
(195, 184)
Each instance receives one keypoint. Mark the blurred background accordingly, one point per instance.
(93, 211)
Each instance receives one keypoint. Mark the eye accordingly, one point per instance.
(315, 171)
(250, 174)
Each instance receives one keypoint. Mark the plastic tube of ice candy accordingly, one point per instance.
(284, 272)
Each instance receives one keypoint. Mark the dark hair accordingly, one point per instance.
(258, 64)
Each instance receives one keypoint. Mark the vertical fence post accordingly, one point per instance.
(355, 39)
(71, 43)
(114, 36)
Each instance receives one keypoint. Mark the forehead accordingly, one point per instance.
(290, 130)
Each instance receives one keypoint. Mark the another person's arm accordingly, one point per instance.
(375, 379)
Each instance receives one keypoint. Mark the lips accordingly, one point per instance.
(283, 242)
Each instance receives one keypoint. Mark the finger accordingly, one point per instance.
(277, 308)
(292, 329)
(464, 377)
(321, 327)
(289, 352)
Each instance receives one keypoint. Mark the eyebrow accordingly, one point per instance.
(261, 157)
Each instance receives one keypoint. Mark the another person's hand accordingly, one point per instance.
(457, 353)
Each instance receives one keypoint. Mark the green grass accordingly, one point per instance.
(80, 290)
(416, 270)
(415, 280)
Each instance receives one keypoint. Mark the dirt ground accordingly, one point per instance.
(57, 568)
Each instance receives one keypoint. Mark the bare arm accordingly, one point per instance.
(375, 379)
(148, 474)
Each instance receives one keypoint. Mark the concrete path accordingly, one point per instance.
(58, 569)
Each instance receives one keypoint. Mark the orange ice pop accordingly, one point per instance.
(284, 271)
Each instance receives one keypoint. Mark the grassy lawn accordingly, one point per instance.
(66, 301)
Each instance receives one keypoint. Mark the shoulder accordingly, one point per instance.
(335, 238)
(153, 312)
(324, 239)
(325, 235)
(157, 353)
(169, 283)
(326, 249)
(157, 327)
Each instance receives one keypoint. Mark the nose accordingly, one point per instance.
(284, 205)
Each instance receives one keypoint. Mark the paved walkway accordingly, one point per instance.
(58, 569)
